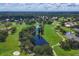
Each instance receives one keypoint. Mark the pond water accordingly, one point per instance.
(39, 40)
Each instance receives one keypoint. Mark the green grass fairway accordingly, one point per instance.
(51, 36)
(62, 52)
(12, 43)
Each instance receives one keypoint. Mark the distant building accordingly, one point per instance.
(69, 24)
(54, 18)
(7, 19)
(76, 19)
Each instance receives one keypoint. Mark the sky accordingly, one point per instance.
(39, 7)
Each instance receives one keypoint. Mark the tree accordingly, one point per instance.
(7, 24)
(25, 38)
(65, 45)
(3, 35)
(13, 29)
(44, 50)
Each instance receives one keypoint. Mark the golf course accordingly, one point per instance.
(12, 44)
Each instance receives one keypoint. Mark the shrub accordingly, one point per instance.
(44, 50)
(3, 36)
(13, 30)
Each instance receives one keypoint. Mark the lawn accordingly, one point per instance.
(51, 36)
(62, 52)
(12, 43)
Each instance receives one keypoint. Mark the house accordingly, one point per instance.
(76, 28)
(76, 19)
(72, 36)
(69, 24)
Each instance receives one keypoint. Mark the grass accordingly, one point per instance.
(62, 52)
(12, 43)
(51, 36)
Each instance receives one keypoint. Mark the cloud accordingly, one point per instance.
(39, 7)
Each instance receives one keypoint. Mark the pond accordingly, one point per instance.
(39, 40)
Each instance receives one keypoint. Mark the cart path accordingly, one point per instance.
(54, 53)
(54, 50)
(57, 44)
(61, 36)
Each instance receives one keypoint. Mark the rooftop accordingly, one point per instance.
(72, 36)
